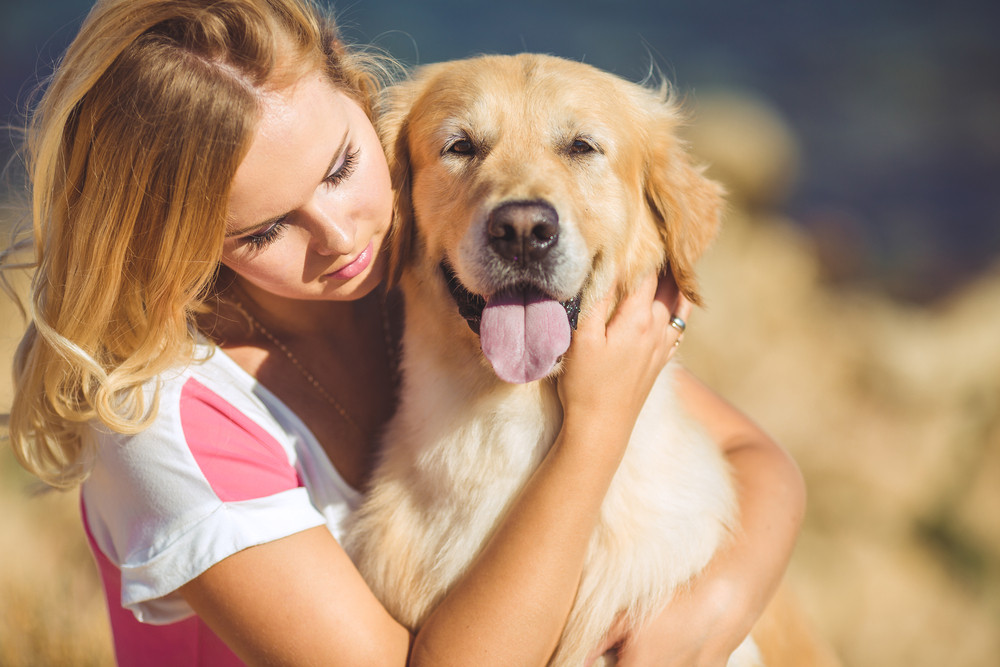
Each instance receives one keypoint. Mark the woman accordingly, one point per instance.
(209, 335)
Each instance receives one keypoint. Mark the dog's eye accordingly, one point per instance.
(580, 146)
(461, 147)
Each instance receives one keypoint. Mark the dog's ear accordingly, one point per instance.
(687, 205)
(392, 124)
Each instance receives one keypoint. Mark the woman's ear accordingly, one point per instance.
(686, 205)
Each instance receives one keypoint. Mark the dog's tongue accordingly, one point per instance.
(523, 333)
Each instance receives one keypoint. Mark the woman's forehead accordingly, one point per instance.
(299, 129)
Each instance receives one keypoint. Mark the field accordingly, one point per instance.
(892, 411)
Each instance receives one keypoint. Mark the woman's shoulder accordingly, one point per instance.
(209, 441)
(183, 403)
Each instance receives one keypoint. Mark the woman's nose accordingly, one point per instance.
(330, 235)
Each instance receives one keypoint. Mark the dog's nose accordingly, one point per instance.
(523, 231)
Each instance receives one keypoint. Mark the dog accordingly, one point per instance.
(527, 187)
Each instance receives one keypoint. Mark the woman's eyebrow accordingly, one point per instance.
(270, 221)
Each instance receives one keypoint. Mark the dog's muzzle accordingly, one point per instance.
(521, 327)
(470, 306)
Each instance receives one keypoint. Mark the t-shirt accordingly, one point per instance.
(224, 466)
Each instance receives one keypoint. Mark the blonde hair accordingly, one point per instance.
(130, 154)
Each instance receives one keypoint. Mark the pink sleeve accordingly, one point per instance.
(240, 460)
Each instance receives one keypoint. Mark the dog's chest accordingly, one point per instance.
(461, 437)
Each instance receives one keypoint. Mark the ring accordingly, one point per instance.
(677, 323)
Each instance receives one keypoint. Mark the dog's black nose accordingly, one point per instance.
(523, 231)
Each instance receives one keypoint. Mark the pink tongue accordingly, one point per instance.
(522, 334)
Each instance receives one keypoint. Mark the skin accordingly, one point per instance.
(512, 604)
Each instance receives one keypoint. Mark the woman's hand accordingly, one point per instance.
(612, 365)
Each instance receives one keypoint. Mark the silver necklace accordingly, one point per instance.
(344, 414)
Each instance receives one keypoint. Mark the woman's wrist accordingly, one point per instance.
(596, 430)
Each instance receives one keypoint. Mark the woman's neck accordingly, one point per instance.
(299, 318)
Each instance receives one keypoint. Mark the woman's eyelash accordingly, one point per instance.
(265, 238)
(345, 169)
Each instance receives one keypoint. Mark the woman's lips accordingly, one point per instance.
(359, 264)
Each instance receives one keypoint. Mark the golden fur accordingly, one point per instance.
(463, 442)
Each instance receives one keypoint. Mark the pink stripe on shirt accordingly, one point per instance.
(240, 460)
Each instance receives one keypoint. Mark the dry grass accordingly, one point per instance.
(893, 412)
(51, 603)
(52, 610)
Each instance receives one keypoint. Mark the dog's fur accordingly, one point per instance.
(603, 153)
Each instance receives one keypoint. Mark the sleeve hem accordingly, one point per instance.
(149, 589)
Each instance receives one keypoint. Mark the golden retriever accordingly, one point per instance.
(527, 186)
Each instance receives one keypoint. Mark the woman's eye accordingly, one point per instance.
(346, 168)
(262, 239)
(461, 147)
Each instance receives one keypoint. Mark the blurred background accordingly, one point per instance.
(853, 296)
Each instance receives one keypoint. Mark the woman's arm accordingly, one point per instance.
(297, 601)
(300, 599)
(705, 623)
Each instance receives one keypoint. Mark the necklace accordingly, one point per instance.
(389, 346)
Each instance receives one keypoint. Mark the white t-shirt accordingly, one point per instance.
(224, 466)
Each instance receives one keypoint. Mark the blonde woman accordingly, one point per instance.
(211, 354)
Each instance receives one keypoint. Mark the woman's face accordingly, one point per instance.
(311, 202)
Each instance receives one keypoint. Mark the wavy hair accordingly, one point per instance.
(130, 154)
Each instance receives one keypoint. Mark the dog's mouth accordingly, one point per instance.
(522, 330)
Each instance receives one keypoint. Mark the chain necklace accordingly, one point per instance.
(389, 346)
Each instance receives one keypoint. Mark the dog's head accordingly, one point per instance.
(528, 185)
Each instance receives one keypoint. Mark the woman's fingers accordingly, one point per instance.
(634, 310)
(675, 305)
